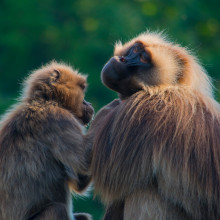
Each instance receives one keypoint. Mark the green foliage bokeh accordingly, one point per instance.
(83, 32)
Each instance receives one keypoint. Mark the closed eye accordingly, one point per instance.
(82, 86)
(144, 57)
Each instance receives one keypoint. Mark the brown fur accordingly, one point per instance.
(158, 151)
(41, 146)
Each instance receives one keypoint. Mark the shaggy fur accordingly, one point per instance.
(156, 154)
(41, 146)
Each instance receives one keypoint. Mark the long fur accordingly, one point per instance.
(160, 148)
(41, 147)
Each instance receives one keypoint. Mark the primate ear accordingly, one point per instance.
(55, 75)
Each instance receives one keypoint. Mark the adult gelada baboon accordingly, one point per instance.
(156, 151)
(42, 153)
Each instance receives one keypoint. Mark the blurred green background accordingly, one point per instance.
(83, 32)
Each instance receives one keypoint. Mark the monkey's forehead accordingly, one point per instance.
(68, 74)
(146, 38)
(60, 67)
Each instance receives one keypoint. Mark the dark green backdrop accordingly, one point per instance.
(83, 32)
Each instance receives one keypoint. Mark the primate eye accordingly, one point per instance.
(82, 86)
(144, 58)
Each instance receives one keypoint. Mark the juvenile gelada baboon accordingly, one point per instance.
(156, 150)
(42, 152)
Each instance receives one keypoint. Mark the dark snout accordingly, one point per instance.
(88, 112)
(113, 72)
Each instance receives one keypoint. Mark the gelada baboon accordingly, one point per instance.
(156, 150)
(41, 146)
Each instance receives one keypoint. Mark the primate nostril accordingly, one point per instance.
(122, 59)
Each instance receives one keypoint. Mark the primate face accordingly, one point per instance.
(121, 73)
(66, 86)
(146, 61)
